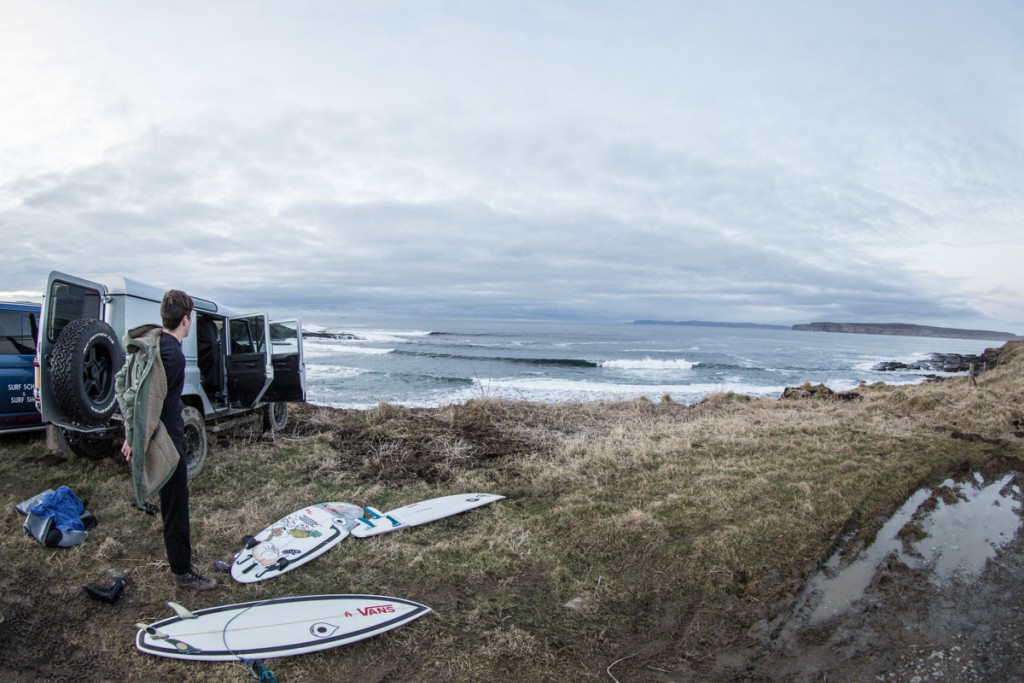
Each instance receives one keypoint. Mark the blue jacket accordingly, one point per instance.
(57, 519)
(64, 506)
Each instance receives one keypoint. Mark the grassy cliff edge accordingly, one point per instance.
(649, 535)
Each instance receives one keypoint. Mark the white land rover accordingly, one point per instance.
(238, 368)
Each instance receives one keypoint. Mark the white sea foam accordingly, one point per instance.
(869, 362)
(555, 390)
(317, 373)
(843, 384)
(649, 364)
(380, 336)
(334, 347)
(370, 334)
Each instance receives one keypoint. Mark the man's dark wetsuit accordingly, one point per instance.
(174, 494)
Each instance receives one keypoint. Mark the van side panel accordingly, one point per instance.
(18, 326)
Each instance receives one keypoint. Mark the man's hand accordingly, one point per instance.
(126, 451)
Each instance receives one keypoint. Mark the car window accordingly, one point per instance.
(284, 337)
(70, 302)
(247, 335)
(17, 333)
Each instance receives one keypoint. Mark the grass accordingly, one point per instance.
(655, 531)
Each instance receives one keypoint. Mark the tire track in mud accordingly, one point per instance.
(930, 608)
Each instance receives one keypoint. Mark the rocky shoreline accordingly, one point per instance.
(944, 362)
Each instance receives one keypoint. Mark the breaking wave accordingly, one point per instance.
(649, 364)
(556, 362)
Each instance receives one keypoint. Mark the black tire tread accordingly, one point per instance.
(67, 379)
(274, 421)
(193, 419)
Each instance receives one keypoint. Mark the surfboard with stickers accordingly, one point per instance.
(294, 540)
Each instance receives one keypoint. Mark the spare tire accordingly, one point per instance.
(84, 361)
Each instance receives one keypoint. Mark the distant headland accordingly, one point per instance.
(898, 329)
(704, 323)
(905, 330)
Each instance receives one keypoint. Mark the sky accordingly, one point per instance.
(731, 160)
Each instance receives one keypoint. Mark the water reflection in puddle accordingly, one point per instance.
(952, 531)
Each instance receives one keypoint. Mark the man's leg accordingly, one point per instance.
(174, 510)
(177, 534)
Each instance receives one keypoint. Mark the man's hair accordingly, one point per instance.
(175, 306)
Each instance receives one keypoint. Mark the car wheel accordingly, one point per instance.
(196, 443)
(275, 416)
(85, 359)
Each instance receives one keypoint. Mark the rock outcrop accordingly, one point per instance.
(807, 390)
(945, 362)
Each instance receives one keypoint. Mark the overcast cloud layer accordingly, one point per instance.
(778, 162)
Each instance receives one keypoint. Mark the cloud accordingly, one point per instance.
(780, 163)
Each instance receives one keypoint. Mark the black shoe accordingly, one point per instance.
(109, 594)
(191, 580)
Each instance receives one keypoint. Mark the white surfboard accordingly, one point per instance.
(294, 540)
(280, 627)
(420, 513)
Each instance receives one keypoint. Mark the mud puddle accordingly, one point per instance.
(951, 531)
(934, 597)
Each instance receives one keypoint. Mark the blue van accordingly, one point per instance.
(19, 329)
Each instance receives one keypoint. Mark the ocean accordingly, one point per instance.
(436, 363)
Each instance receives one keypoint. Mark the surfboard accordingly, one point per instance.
(294, 540)
(420, 513)
(279, 627)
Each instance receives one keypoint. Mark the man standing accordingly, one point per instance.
(147, 389)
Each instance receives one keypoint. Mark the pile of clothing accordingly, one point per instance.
(57, 518)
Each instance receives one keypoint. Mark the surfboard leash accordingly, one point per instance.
(253, 666)
(258, 671)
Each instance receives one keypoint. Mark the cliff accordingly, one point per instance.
(905, 330)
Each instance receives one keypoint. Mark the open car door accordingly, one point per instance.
(249, 367)
(289, 383)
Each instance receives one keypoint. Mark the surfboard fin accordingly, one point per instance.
(181, 611)
(373, 512)
(394, 522)
(366, 522)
